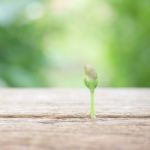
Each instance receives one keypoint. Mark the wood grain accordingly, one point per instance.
(57, 119)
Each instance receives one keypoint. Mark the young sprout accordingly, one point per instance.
(91, 83)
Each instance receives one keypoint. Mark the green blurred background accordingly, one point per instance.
(45, 43)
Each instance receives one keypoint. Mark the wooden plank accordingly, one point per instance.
(58, 119)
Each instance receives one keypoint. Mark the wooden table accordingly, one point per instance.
(57, 119)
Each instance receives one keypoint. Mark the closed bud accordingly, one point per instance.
(90, 72)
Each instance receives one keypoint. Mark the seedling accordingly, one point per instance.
(91, 83)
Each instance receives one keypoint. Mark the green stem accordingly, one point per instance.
(92, 106)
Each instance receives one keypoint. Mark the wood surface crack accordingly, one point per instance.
(73, 116)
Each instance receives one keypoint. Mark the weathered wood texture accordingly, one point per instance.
(56, 119)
